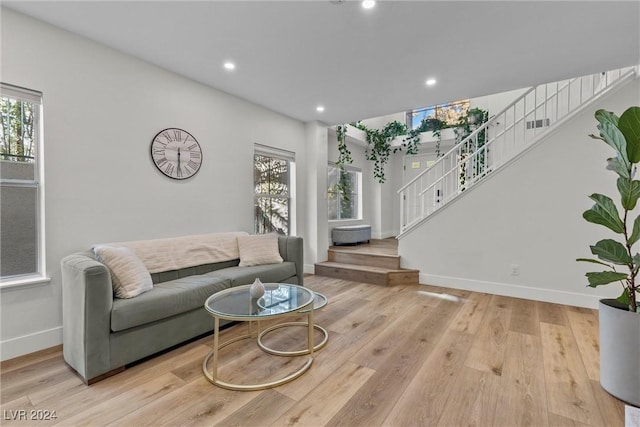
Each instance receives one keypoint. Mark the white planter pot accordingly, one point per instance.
(620, 351)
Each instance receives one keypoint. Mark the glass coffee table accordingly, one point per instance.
(279, 300)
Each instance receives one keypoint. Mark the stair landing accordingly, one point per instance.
(376, 262)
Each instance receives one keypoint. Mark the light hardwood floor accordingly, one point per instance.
(397, 356)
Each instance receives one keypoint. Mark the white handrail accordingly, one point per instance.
(473, 158)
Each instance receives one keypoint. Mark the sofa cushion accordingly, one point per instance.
(165, 300)
(129, 276)
(259, 249)
(266, 273)
(166, 276)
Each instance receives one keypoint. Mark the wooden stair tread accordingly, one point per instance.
(364, 267)
(376, 262)
(367, 253)
(364, 259)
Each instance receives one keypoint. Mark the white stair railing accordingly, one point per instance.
(503, 137)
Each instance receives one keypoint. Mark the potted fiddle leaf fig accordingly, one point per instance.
(619, 318)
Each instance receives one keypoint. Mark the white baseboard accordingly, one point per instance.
(26, 344)
(510, 290)
(388, 233)
(631, 416)
(309, 269)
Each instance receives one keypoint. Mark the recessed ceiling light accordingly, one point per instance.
(229, 65)
(319, 108)
(431, 82)
(368, 4)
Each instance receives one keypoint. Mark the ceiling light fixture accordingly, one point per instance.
(229, 65)
(368, 4)
(319, 108)
(431, 82)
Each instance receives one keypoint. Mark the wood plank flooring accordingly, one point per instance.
(387, 246)
(413, 355)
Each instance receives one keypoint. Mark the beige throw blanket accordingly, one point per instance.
(174, 253)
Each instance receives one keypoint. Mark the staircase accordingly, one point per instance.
(499, 141)
(376, 263)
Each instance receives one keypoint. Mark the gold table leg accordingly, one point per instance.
(213, 354)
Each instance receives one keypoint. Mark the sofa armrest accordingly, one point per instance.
(291, 249)
(87, 298)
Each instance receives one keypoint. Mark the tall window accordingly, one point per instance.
(272, 190)
(448, 114)
(344, 192)
(20, 184)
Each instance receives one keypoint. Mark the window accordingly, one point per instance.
(272, 171)
(449, 113)
(21, 242)
(344, 193)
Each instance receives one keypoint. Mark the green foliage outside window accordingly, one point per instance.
(16, 130)
(19, 185)
(271, 189)
(342, 193)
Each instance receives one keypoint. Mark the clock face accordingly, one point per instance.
(176, 153)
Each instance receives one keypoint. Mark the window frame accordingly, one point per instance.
(289, 157)
(357, 192)
(36, 98)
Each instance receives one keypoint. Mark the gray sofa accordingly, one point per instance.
(102, 334)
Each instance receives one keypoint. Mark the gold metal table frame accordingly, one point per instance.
(319, 302)
(305, 309)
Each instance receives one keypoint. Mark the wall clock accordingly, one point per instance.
(176, 153)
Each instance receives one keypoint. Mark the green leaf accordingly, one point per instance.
(636, 263)
(635, 234)
(629, 192)
(629, 125)
(604, 116)
(612, 251)
(604, 278)
(624, 298)
(594, 261)
(604, 212)
(618, 166)
(613, 137)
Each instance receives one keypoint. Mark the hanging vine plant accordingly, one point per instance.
(474, 118)
(429, 124)
(344, 154)
(344, 157)
(379, 147)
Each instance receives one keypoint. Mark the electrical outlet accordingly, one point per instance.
(515, 269)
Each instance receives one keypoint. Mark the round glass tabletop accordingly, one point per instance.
(279, 298)
(318, 303)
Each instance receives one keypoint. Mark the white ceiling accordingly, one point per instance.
(294, 55)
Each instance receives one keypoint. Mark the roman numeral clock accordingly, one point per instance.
(176, 153)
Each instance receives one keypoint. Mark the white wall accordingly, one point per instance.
(101, 109)
(316, 240)
(381, 122)
(497, 102)
(528, 214)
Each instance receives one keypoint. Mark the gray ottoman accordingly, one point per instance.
(351, 234)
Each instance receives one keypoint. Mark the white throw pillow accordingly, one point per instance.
(259, 249)
(129, 276)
